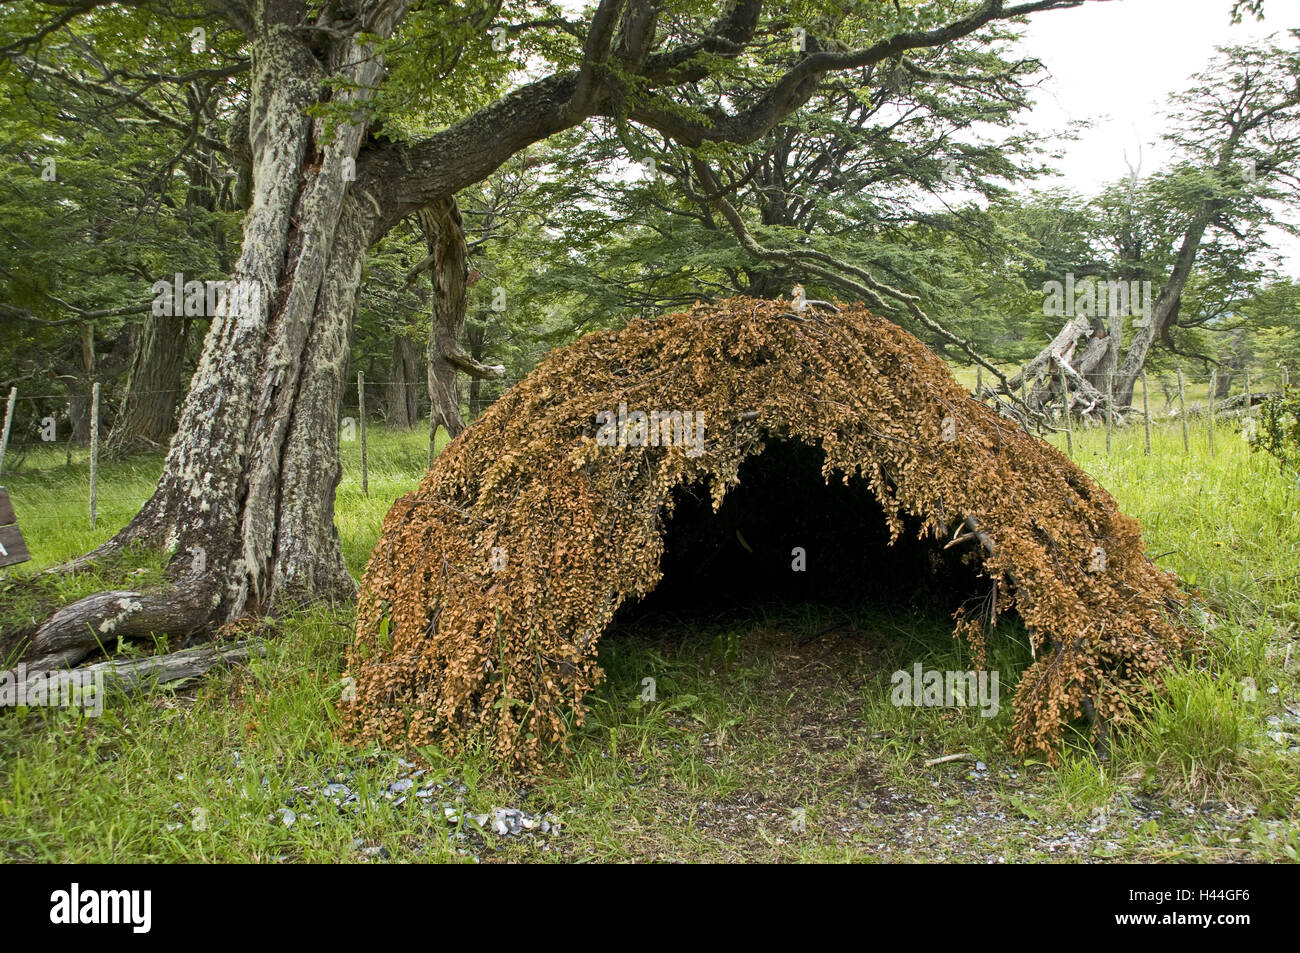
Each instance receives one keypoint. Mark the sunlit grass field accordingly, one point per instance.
(771, 735)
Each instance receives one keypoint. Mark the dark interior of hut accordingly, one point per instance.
(785, 536)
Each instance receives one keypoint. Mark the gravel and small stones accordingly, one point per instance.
(445, 802)
(1284, 729)
(511, 822)
(377, 852)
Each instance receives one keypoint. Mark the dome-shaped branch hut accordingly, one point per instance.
(486, 595)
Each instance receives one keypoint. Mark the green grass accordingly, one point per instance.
(1226, 523)
(761, 719)
(52, 497)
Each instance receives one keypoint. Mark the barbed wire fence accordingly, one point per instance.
(39, 434)
(40, 428)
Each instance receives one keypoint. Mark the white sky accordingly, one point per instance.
(1115, 64)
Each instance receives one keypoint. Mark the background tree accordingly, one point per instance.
(116, 180)
(1238, 129)
(1198, 231)
(865, 173)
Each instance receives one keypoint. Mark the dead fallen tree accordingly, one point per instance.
(1060, 378)
(152, 672)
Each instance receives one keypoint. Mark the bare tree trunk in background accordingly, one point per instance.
(1077, 353)
(403, 397)
(449, 270)
(155, 384)
(476, 339)
(1098, 357)
(79, 415)
(153, 387)
(449, 273)
(79, 399)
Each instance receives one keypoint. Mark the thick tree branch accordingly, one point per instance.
(463, 361)
(595, 53)
(794, 88)
(401, 179)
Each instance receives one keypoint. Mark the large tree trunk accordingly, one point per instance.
(153, 387)
(246, 499)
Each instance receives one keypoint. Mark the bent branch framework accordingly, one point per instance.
(484, 600)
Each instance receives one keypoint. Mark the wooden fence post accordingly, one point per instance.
(1146, 410)
(1214, 384)
(1182, 412)
(361, 405)
(9, 422)
(94, 453)
(1110, 408)
(1069, 423)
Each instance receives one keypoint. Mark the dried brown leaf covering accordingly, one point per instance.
(447, 647)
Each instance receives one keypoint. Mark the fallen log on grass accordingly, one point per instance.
(147, 674)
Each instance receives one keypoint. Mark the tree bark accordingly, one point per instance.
(1083, 366)
(1062, 346)
(449, 271)
(476, 339)
(79, 415)
(79, 399)
(142, 675)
